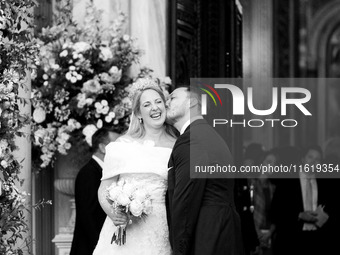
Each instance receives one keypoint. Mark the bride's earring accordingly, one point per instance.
(141, 121)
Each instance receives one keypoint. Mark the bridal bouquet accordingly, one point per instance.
(131, 198)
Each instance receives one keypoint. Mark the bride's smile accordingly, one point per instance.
(156, 116)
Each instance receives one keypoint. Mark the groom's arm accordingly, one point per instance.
(187, 198)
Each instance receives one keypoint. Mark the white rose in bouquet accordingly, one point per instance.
(136, 208)
(114, 192)
(39, 115)
(123, 199)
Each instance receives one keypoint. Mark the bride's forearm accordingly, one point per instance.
(102, 196)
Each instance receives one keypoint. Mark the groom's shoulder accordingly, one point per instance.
(184, 137)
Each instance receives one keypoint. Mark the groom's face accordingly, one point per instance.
(177, 105)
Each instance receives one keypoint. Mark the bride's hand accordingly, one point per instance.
(119, 218)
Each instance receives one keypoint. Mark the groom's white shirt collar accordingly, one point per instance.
(99, 161)
(191, 120)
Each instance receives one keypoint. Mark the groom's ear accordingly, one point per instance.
(193, 102)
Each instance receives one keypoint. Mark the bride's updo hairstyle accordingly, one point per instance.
(136, 127)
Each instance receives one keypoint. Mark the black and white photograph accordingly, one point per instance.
(169, 127)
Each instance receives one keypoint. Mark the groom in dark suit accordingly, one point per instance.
(201, 213)
(90, 216)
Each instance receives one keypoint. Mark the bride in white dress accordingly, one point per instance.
(140, 155)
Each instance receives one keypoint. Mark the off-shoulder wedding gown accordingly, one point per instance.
(147, 165)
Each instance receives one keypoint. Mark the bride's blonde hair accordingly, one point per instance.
(136, 128)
